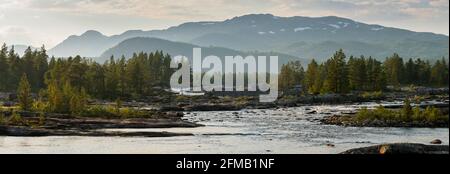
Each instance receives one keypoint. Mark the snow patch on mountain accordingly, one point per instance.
(345, 24)
(302, 29)
(377, 29)
(209, 23)
(334, 26)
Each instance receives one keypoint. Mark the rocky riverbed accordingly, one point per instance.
(400, 148)
(350, 121)
(215, 103)
(90, 127)
(20, 131)
(253, 131)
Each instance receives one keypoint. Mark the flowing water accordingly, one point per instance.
(285, 130)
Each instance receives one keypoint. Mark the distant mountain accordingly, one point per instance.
(305, 37)
(147, 45)
(89, 44)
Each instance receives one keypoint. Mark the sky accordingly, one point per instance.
(49, 22)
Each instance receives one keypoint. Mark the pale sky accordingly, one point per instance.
(49, 22)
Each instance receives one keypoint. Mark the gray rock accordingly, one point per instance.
(436, 141)
(401, 148)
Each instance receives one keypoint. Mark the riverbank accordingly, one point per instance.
(216, 102)
(78, 126)
(267, 131)
(431, 116)
(400, 148)
(352, 121)
(20, 131)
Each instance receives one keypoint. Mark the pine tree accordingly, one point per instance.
(394, 70)
(376, 75)
(78, 101)
(111, 78)
(55, 97)
(27, 65)
(15, 69)
(24, 94)
(357, 73)
(411, 73)
(122, 65)
(291, 74)
(41, 67)
(4, 68)
(166, 71)
(318, 82)
(311, 75)
(439, 74)
(337, 79)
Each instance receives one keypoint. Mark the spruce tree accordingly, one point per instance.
(24, 93)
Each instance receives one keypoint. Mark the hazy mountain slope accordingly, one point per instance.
(89, 44)
(265, 32)
(324, 50)
(141, 44)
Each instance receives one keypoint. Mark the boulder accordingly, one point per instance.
(401, 148)
(436, 141)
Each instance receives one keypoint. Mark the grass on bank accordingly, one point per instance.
(406, 114)
(12, 115)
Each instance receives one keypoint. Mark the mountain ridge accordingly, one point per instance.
(266, 32)
(146, 45)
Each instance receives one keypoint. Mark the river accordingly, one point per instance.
(282, 131)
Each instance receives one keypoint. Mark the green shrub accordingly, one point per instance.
(417, 114)
(3, 119)
(118, 104)
(430, 114)
(16, 119)
(372, 95)
(40, 106)
(114, 112)
(41, 119)
(181, 98)
(364, 114)
(97, 111)
(407, 111)
(380, 113)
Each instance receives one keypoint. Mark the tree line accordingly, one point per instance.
(55, 77)
(139, 76)
(339, 75)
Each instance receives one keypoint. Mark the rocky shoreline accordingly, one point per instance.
(349, 121)
(20, 131)
(215, 103)
(91, 127)
(400, 148)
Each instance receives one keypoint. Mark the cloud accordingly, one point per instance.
(221, 9)
(8, 32)
(366, 9)
(17, 35)
(116, 15)
(156, 9)
(439, 3)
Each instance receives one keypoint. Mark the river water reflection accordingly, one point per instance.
(285, 130)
